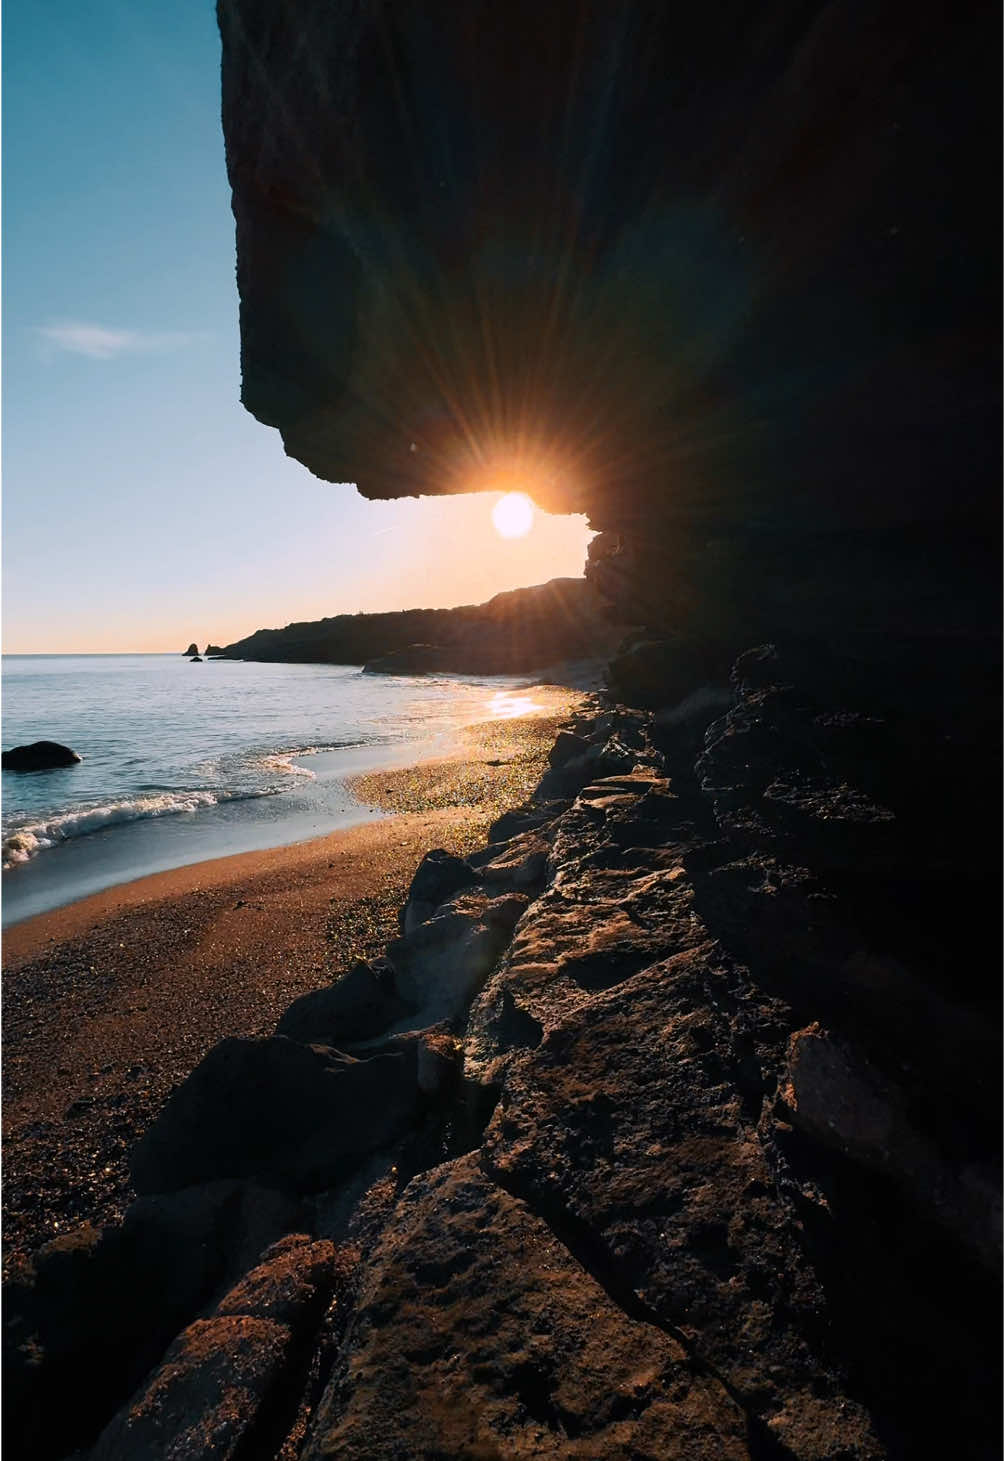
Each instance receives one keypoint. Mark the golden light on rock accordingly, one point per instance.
(513, 515)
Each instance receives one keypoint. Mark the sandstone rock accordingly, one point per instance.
(626, 1126)
(289, 1285)
(206, 1397)
(519, 865)
(100, 1307)
(285, 1114)
(356, 1007)
(439, 966)
(439, 875)
(39, 756)
(444, 1362)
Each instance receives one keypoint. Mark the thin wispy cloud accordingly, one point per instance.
(99, 342)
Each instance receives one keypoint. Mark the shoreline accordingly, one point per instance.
(343, 791)
(111, 1000)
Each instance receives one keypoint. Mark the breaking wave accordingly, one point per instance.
(22, 843)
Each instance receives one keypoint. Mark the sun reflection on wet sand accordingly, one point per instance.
(508, 704)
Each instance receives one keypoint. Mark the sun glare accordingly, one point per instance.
(513, 515)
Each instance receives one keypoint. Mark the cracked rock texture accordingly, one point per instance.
(696, 1157)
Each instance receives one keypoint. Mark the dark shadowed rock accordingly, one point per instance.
(625, 1129)
(440, 965)
(413, 659)
(196, 659)
(39, 756)
(192, 649)
(357, 1006)
(98, 1307)
(441, 1362)
(439, 875)
(285, 1114)
(207, 1395)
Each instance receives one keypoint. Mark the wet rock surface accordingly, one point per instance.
(639, 1142)
(38, 756)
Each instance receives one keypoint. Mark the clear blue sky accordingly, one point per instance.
(142, 506)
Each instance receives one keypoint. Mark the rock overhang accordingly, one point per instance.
(700, 282)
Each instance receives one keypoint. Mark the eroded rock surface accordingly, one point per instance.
(478, 1334)
(665, 1129)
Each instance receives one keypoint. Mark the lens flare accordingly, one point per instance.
(513, 515)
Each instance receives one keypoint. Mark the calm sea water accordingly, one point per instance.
(187, 761)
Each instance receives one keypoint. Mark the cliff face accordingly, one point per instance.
(669, 1125)
(719, 280)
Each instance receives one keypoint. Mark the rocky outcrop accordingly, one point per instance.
(666, 1127)
(518, 631)
(213, 651)
(192, 649)
(39, 756)
(622, 282)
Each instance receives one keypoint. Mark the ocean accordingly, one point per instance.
(183, 762)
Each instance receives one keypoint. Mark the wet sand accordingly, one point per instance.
(109, 1002)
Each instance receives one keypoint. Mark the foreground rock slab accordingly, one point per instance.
(480, 1336)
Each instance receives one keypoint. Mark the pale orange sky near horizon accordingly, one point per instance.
(430, 552)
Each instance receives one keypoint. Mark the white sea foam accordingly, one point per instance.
(23, 842)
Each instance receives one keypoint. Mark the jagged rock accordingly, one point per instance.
(628, 1126)
(439, 875)
(285, 1114)
(518, 866)
(192, 649)
(213, 651)
(207, 1396)
(356, 1007)
(566, 748)
(440, 1362)
(99, 1307)
(39, 756)
(444, 961)
(211, 1389)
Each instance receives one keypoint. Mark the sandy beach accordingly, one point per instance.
(109, 1002)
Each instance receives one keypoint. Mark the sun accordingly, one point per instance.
(513, 515)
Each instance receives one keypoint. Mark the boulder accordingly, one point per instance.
(356, 1007)
(212, 1390)
(439, 875)
(291, 1116)
(443, 962)
(626, 1124)
(97, 1308)
(196, 659)
(206, 1397)
(39, 756)
(443, 1361)
(192, 649)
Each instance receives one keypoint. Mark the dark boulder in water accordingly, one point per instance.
(195, 659)
(192, 649)
(39, 756)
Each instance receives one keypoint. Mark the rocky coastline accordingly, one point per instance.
(633, 1143)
